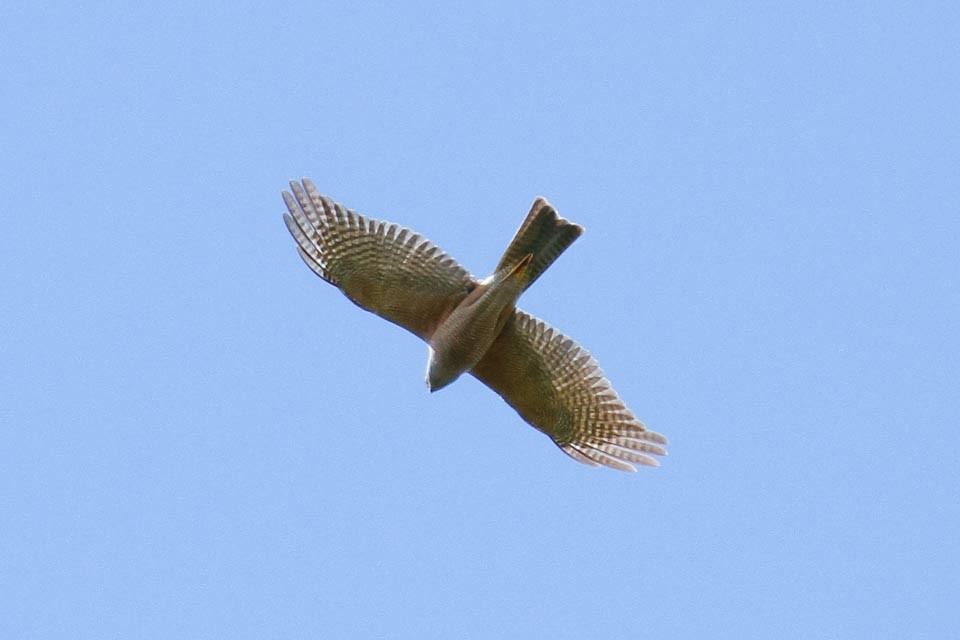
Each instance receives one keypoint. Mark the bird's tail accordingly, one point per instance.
(545, 235)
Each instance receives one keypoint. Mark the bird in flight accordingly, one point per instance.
(474, 325)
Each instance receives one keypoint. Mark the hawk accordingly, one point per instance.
(473, 325)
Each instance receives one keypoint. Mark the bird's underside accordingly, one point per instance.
(551, 381)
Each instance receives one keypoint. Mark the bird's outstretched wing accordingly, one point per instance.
(557, 386)
(381, 266)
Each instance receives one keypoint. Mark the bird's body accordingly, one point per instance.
(470, 325)
(461, 340)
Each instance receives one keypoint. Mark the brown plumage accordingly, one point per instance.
(551, 381)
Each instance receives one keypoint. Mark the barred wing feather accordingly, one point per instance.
(558, 388)
(381, 266)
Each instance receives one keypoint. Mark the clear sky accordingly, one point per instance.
(201, 439)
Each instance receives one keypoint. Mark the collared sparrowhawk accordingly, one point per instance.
(473, 325)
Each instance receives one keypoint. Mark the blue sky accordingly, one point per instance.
(203, 440)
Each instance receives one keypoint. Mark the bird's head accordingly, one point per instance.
(439, 374)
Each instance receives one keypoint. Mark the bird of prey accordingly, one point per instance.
(473, 325)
